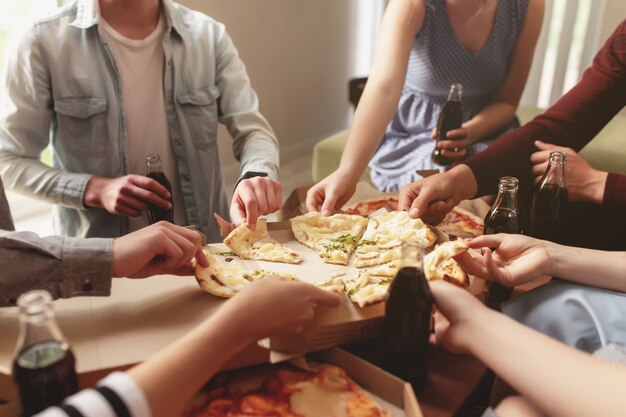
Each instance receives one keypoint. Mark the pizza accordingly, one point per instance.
(439, 264)
(257, 244)
(367, 207)
(332, 237)
(461, 223)
(228, 277)
(384, 235)
(283, 391)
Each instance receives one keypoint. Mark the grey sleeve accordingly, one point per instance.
(66, 267)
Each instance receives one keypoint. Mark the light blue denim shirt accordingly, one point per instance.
(63, 87)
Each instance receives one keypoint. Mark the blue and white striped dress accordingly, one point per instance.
(437, 61)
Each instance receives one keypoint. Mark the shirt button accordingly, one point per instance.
(177, 142)
(169, 62)
(186, 178)
(194, 215)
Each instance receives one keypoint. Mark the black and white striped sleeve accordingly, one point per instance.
(117, 395)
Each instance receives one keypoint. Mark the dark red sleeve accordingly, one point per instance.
(573, 121)
(615, 190)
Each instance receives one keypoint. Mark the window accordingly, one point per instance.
(28, 214)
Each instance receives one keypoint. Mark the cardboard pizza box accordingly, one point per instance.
(390, 392)
(377, 381)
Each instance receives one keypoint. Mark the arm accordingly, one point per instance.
(25, 119)
(255, 144)
(572, 121)
(503, 106)
(553, 377)
(402, 21)
(517, 259)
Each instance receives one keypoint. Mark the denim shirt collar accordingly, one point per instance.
(88, 15)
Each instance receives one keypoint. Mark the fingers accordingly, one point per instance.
(408, 193)
(244, 205)
(456, 153)
(486, 241)
(327, 298)
(473, 266)
(314, 199)
(255, 197)
(330, 202)
(422, 199)
(147, 190)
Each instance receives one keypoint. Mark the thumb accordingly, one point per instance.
(419, 205)
(327, 298)
(545, 146)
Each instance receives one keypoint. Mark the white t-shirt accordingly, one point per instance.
(140, 64)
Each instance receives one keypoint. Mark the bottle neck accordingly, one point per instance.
(456, 92)
(411, 255)
(153, 164)
(507, 198)
(37, 321)
(554, 175)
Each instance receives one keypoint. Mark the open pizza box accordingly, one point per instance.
(332, 326)
(391, 393)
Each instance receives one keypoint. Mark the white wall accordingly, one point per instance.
(299, 55)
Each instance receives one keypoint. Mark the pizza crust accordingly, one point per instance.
(440, 264)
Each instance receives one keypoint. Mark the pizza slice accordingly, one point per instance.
(257, 244)
(225, 279)
(384, 235)
(332, 237)
(369, 206)
(461, 223)
(440, 264)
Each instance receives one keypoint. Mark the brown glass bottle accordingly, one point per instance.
(44, 365)
(549, 199)
(408, 315)
(154, 171)
(450, 118)
(503, 217)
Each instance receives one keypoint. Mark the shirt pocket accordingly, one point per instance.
(200, 111)
(81, 125)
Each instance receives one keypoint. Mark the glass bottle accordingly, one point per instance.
(549, 199)
(408, 316)
(450, 118)
(155, 171)
(44, 365)
(503, 217)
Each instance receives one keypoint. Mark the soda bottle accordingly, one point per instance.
(408, 314)
(549, 199)
(154, 171)
(450, 118)
(502, 218)
(44, 366)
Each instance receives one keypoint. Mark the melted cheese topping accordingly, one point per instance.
(312, 401)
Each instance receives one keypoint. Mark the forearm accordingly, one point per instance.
(552, 376)
(595, 268)
(376, 109)
(489, 120)
(66, 267)
(172, 377)
(30, 176)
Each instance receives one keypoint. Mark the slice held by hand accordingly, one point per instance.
(257, 244)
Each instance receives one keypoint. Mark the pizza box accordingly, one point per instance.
(390, 392)
(332, 326)
(138, 319)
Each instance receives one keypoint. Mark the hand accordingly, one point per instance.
(584, 183)
(255, 197)
(516, 259)
(126, 195)
(457, 313)
(331, 193)
(433, 197)
(269, 307)
(457, 145)
(161, 248)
